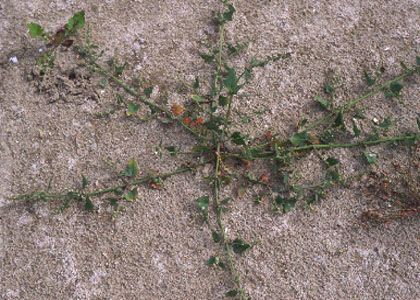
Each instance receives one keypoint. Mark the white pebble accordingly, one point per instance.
(13, 60)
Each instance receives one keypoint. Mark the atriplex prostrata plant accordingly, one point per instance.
(208, 117)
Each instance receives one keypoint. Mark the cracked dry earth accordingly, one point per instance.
(157, 247)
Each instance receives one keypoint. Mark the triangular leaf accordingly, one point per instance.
(208, 58)
(227, 15)
(132, 108)
(368, 78)
(131, 195)
(239, 246)
(148, 91)
(231, 293)
(223, 101)
(385, 124)
(36, 30)
(370, 157)
(329, 89)
(85, 182)
(196, 84)
(356, 129)
(76, 22)
(216, 237)
(231, 82)
(172, 150)
(394, 89)
(131, 170)
(238, 138)
(339, 120)
(287, 204)
(89, 204)
(299, 139)
(203, 203)
(214, 260)
(331, 161)
(325, 104)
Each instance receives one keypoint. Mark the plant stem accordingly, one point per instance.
(65, 195)
(224, 239)
(272, 154)
(412, 137)
(217, 140)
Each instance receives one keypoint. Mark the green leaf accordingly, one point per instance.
(331, 161)
(255, 63)
(214, 260)
(131, 170)
(418, 60)
(239, 246)
(328, 136)
(299, 139)
(223, 101)
(225, 180)
(333, 175)
(247, 74)
(231, 82)
(113, 202)
(287, 204)
(103, 82)
(76, 22)
(85, 182)
(313, 198)
(325, 104)
(196, 84)
(201, 149)
(120, 69)
(120, 99)
(131, 195)
(215, 123)
(197, 98)
(385, 124)
(329, 89)
(339, 120)
(227, 15)
(36, 31)
(394, 89)
(216, 237)
(234, 50)
(89, 204)
(238, 138)
(368, 78)
(148, 91)
(356, 129)
(132, 108)
(231, 293)
(370, 157)
(208, 58)
(172, 150)
(203, 204)
(418, 123)
(119, 191)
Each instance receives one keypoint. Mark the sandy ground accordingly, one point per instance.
(157, 248)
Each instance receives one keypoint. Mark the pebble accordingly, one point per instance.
(13, 60)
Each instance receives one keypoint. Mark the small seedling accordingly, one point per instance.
(62, 37)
